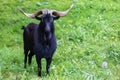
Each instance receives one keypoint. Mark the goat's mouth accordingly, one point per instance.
(47, 37)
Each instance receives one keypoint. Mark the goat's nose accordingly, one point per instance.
(47, 28)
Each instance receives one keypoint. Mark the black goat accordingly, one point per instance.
(40, 39)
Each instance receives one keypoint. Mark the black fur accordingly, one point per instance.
(40, 39)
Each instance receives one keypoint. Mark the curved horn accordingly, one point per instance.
(33, 15)
(61, 14)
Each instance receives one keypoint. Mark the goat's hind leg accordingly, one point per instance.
(25, 57)
(30, 57)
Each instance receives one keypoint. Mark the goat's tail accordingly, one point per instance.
(23, 27)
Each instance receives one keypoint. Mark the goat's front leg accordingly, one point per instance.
(49, 60)
(38, 59)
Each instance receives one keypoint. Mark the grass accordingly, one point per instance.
(88, 36)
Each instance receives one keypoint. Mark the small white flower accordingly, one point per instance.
(104, 64)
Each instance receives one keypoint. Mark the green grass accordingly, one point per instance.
(86, 37)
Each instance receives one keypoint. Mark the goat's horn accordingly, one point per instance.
(61, 14)
(33, 15)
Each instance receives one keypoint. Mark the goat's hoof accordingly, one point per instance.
(25, 67)
(39, 75)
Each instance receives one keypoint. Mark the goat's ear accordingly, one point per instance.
(38, 18)
(55, 18)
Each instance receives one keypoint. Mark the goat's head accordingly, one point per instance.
(47, 19)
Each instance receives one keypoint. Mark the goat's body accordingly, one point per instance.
(36, 43)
